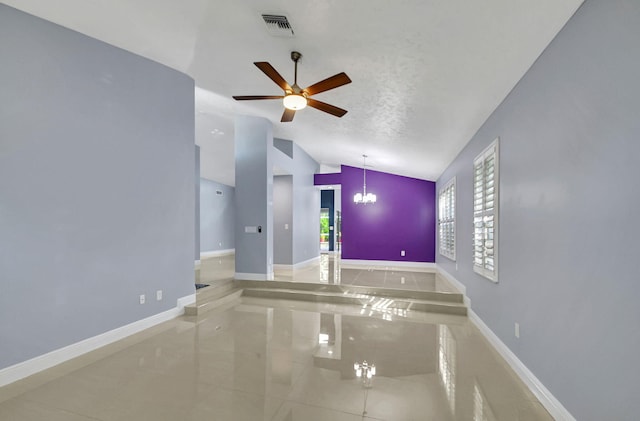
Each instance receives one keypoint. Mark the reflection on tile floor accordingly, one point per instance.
(258, 359)
(215, 269)
(329, 270)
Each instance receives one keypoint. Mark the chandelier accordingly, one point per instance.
(365, 371)
(364, 197)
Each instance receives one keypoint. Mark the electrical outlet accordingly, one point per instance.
(159, 295)
(142, 299)
(402, 253)
(402, 280)
(517, 330)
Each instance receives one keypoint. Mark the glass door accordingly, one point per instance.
(324, 229)
(338, 233)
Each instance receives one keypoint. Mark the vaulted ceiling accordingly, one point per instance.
(426, 73)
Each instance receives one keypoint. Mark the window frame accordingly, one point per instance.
(443, 195)
(484, 213)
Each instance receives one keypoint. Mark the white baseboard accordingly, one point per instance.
(278, 266)
(217, 253)
(546, 398)
(299, 265)
(42, 362)
(390, 264)
(309, 262)
(185, 301)
(452, 279)
(457, 284)
(254, 276)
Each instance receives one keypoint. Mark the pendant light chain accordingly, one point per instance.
(364, 197)
(364, 175)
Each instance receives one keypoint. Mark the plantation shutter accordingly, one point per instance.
(447, 220)
(485, 212)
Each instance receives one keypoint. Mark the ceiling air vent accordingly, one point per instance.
(278, 25)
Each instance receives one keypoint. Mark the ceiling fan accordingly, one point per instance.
(294, 97)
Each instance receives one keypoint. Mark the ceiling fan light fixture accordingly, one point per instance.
(294, 97)
(294, 102)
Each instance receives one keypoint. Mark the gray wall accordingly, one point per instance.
(284, 146)
(217, 216)
(96, 187)
(306, 205)
(197, 204)
(306, 199)
(254, 195)
(568, 268)
(283, 219)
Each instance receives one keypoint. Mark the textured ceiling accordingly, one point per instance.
(426, 73)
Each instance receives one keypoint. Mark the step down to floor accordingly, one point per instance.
(213, 296)
(377, 302)
(453, 297)
(367, 297)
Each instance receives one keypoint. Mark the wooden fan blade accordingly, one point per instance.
(273, 74)
(327, 108)
(329, 83)
(250, 97)
(287, 115)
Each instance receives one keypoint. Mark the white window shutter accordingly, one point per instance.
(485, 212)
(447, 220)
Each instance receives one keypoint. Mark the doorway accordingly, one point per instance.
(337, 233)
(325, 230)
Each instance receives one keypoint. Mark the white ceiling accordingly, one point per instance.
(426, 73)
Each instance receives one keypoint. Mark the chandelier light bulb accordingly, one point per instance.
(364, 197)
(365, 372)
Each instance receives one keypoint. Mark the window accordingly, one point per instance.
(447, 220)
(485, 212)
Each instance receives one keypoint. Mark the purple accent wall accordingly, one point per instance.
(327, 179)
(403, 218)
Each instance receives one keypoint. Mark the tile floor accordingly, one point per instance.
(215, 269)
(277, 360)
(281, 360)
